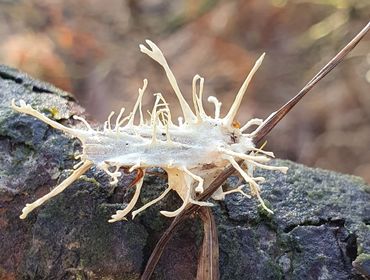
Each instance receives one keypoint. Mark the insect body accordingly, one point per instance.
(192, 152)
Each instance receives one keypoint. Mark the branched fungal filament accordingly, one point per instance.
(192, 152)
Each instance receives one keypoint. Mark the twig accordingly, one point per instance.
(275, 118)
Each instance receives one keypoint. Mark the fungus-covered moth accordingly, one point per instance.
(193, 151)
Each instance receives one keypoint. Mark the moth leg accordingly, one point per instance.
(154, 201)
(248, 179)
(58, 189)
(120, 214)
(27, 109)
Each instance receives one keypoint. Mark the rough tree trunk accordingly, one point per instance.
(320, 229)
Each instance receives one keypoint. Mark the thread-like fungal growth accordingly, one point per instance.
(192, 153)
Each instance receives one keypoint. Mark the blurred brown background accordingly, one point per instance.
(90, 47)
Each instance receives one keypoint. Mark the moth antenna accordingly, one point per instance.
(156, 54)
(138, 103)
(276, 117)
(238, 99)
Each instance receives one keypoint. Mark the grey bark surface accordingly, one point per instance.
(320, 229)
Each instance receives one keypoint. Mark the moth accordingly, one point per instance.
(194, 151)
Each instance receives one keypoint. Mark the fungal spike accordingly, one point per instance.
(125, 119)
(156, 54)
(137, 166)
(263, 203)
(253, 185)
(120, 214)
(119, 118)
(77, 165)
(182, 207)
(282, 169)
(138, 103)
(150, 203)
(245, 156)
(228, 119)
(250, 123)
(109, 120)
(201, 203)
(181, 121)
(27, 109)
(199, 188)
(217, 104)
(114, 175)
(239, 190)
(154, 119)
(167, 108)
(58, 189)
(197, 99)
(81, 119)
